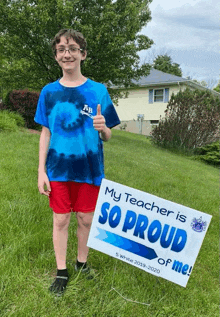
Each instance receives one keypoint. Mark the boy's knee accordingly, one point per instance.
(61, 221)
(84, 219)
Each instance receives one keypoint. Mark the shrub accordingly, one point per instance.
(2, 106)
(123, 126)
(209, 153)
(23, 102)
(18, 118)
(191, 120)
(7, 121)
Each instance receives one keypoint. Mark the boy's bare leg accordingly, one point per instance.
(60, 237)
(84, 224)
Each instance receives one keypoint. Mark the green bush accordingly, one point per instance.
(18, 118)
(191, 120)
(8, 121)
(209, 153)
(23, 102)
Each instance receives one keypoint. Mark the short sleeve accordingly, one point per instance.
(108, 110)
(40, 115)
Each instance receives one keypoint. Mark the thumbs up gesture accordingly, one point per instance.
(99, 120)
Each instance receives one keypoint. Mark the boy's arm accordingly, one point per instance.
(106, 134)
(43, 149)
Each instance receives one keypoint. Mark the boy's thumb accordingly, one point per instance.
(98, 109)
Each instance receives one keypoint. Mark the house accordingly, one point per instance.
(146, 103)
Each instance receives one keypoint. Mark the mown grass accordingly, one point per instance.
(27, 263)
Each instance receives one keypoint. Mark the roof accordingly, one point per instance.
(158, 77)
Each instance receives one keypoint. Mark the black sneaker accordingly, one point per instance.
(59, 285)
(89, 272)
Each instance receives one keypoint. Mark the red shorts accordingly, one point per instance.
(71, 196)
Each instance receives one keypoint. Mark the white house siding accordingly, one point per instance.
(138, 103)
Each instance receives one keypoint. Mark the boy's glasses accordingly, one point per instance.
(71, 50)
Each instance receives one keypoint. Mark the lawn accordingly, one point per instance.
(27, 262)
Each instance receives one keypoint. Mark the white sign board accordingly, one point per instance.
(156, 235)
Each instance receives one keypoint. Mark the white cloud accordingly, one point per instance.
(171, 4)
(190, 30)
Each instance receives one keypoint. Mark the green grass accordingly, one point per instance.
(27, 262)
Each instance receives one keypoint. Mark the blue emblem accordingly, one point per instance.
(198, 225)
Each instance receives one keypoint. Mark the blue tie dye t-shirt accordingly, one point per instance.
(76, 151)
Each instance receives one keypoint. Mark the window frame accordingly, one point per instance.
(166, 95)
(155, 96)
(156, 122)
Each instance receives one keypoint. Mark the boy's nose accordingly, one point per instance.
(65, 53)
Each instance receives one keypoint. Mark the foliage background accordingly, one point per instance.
(165, 64)
(191, 120)
(111, 29)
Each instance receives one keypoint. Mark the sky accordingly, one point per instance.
(189, 32)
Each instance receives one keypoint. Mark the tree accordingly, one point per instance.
(164, 63)
(217, 88)
(110, 27)
(191, 120)
(202, 82)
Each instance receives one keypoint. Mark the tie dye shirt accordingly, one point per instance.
(75, 151)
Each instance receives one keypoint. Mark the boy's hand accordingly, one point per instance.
(99, 120)
(43, 180)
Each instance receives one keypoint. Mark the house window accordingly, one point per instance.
(154, 124)
(158, 95)
(154, 121)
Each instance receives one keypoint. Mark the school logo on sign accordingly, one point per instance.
(198, 225)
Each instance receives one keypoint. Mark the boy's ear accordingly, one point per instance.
(84, 54)
(55, 56)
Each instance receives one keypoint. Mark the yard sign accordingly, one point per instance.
(156, 235)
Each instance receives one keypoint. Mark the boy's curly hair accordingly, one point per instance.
(69, 33)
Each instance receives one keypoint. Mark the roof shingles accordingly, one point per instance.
(158, 77)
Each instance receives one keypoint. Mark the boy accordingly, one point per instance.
(76, 115)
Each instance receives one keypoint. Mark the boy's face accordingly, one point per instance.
(69, 61)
